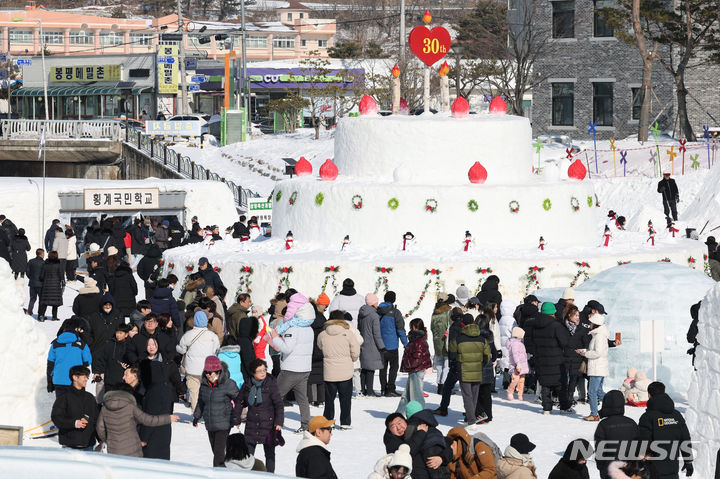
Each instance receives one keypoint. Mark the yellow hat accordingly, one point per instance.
(319, 422)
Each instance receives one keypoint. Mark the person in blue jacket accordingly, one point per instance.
(392, 329)
(66, 351)
(229, 353)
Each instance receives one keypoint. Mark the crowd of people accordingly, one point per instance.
(243, 363)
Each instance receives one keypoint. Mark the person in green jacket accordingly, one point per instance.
(472, 352)
(439, 324)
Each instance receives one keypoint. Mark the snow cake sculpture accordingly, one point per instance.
(421, 173)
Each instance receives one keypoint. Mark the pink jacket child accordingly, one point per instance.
(516, 351)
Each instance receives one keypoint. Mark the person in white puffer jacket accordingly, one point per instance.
(296, 347)
(397, 465)
(598, 367)
(506, 323)
(196, 345)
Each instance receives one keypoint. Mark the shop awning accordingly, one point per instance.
(80, 91)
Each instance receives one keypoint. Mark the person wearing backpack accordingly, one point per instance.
(469, 462)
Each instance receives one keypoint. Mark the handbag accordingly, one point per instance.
(583, 367)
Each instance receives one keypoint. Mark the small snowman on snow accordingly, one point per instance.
(408, 241)
(541, 244)
(651, 234)
(289, 242)
(468, 243)
(345, 243)
(607, 236)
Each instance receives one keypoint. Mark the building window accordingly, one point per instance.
(563, 19)
(302, 15)
(53, 37)
(600, 28)
(110, 39)
(256, 41)
(284, 42)
(512, 4)
(82, 38)
(21, 36)
(563, 99)
(603, 103)
(303, 43)
(289, 16)
(636, 102)
(141, 38)
(322, 43)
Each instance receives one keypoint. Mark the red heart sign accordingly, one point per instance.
(429, 45)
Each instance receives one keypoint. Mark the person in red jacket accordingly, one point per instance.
(416, 359)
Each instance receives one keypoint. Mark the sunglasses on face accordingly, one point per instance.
(207, 373)
(326, 429)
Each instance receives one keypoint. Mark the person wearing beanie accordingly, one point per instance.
(392, 329)
(598, 365)
(372, 347)
(349, 301)
(323, 300)
(316, 381)
(196, 345)
(529, 309)
(341, 348)
(518, 363)
(516, 462)
(490, 291)
(462, 296)
(430, 453)
(411, 408)
(215, 405)
(568, 297)
(439, 325)
(294, 340)
(397, 465)
(615, 428)
(87, 302)
(546, 338)
(472, 351)
(573, 464)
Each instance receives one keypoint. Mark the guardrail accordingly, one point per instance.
(61, 129)
(159, 152)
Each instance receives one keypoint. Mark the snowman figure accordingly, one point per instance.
(408, 240)
(541, 245)
(611, 218)
(671, 227)
(468, 242)
(208, 240)
(607, 236)
(289, 242)
(254, 228)
(345, 243)
(651, 234)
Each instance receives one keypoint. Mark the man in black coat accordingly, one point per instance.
(313, 461)
(103, 323)
(50, 234)
(211, 277)
(661, 422)
(239, 230)
(148, 268)
(548, 339)
(75, 413)
(137, 348)
(34, 270)
(108, 366)
(489, 291)
(579, 339)
(615, 433)
(526, 311)
(670, 195)
(137, 237)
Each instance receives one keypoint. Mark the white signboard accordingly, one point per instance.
(121, 198)
(648, 330)
(173, 128)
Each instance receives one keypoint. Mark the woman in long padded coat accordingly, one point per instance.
(370, 349)
(53, 278)
(19, 248)
(123, 287)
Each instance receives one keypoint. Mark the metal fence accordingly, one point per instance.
(61, 129)
(156, 150)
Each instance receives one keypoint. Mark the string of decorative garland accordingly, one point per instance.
(161, 265)
(278, 195)
(245, 280)
(330, 272)
(514, 206)
(582, 271)
(472, 205)
(531, 277)
(382, 280)
(217, 269)
(393, 203)
(482, 271)
(319, 198)
(574, 203)
(357, 202)
(293, 198)
(286, 270)
(664, 260)
(547, 204)
(189, 269)
(436, 272)
(590, 201)
(706, 265)
(431, 205)
(620, 262)
(691, 262)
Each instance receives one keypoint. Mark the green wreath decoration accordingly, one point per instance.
(547, 204)
(393, 203)
(319, 198)
(431, 205)
(293, 198)
(574, 203)
(590, 201)
(514, 206)
(472, 205)
(357, 202)
(278, 195)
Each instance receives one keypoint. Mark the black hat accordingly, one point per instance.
(450, 299)
(348, 283)
(611, 213)
(530, 298)
(521, 443)
(710, 240)
(289, 233)
(592, 304)
(347, 237)
(409, 234)
(467, 233)
(467, 319)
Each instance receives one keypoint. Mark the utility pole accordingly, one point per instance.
(8, 66)
(181, 51)
(245, 85)
(402, 28)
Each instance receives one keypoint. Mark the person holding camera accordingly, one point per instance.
(75, 413)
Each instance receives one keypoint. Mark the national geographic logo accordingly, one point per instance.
(667, 421)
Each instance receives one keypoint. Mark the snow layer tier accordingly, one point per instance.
(435, 149)
(378, 215)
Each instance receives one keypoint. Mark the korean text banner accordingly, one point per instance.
(167, 68)
(120, 198)
(83, 73)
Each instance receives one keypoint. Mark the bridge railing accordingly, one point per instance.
(159, 152)
(60, 129)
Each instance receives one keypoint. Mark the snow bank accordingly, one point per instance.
(703, 415)
(639, 291)
(24, 400)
